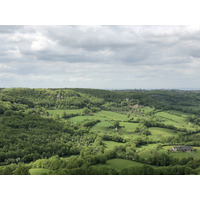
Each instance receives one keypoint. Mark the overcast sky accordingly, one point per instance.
(110, 57)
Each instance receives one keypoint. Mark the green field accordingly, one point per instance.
(68, 111)
(112, 115)
(79, 119)
(106, 118)
(120, 164)
(102, 126)
(147, 151)
(161, 132)
(180, 114)
(38, 171)
(146, 109)
(129, 128)
(112, 144)
(174, 118)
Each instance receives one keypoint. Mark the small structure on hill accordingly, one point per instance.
(182, 148)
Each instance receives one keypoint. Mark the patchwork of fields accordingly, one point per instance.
(127, 130)
(86, 131)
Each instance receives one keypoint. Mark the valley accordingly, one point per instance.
(98, 132)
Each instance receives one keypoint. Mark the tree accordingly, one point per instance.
(64, 115)
(86, 111)
(116, 124)
(22, 170)
(7, 171)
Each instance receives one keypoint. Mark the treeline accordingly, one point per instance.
(143, 170)
(49, 98)
(184, 101)
(165, 160)
(88, 165)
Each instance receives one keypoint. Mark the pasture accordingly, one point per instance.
(120, 164)
(175, 119)
(112, 144)
(38, 171)
(67, 111)
(106, 118)
(148, 150)
(160, 132)
(128, 128)
(171, 117)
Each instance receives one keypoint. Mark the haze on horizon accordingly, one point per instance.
(104, 57)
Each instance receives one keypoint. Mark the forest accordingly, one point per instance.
(73, 131)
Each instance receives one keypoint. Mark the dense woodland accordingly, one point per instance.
(86, 131)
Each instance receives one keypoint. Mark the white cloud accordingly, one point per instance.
(5, 67)
(41, 42)
(73, 79)
(100, 56)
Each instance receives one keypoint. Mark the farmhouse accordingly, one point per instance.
(182, 148)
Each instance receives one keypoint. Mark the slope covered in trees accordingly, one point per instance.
(81, 131)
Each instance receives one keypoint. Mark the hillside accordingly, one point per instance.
(89, 131)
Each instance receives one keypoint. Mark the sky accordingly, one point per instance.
(104, 57)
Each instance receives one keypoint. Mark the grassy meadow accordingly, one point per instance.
(39, 171)
(120, 164)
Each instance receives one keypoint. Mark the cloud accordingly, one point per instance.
(100, 56)
(4, 67)
(71, 79)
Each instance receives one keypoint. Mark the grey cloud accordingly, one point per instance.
(9, 29)
(99, 56)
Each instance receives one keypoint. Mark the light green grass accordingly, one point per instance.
(147, 147)
(129, 127)
(79, 119)
(182, 114)
(171, 117)
(106, 118)
(160, 132)
(38, 171)
(112, 144)
(194, 154)
(112, 115)
(175, 120)
(120, 164)
(146, 151)
(181, 155)
(102, 126)
(68, 111)
(146, 109)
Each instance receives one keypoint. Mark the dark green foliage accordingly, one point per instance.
(90, 123)
(114, 137)
(48, 98)
(29, 137)
(68, 115)
(22, 170)
(142, 130)
(148, 170)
